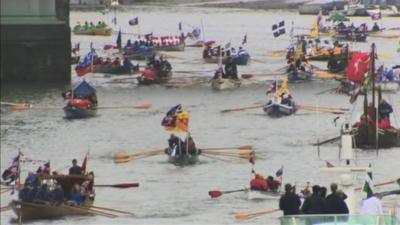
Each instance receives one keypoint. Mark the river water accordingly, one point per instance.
(176, 195)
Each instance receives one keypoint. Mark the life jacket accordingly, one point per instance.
(150, 74)
(259, 184)
(384, 124)
(80, 103)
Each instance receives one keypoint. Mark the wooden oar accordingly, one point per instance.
(246, 216)
(323, 107)
(378, 184)
(229, 151)
(327, 141)
(230, 148)
(138, 156)
(122, 185)
(256, 106)
(109, 209)
(217, 158)
(119, 155)
(89, 210)
(26, 106)
(216, 193)
(318, 109)
(251, 75)
(5, 208)
(240, 154)
(10, 103)
(321, 74)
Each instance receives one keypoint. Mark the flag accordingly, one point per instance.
(114, 20)
(376, 16)
(368, 185)
(244, 41)
(148, 36)
(279, 172)
(45, 169)
(176, 119)
(119, 40)
(85, 65)
(134, 21)
(228, 45)
(180, 25)
(84, 163)
(329, 165)
(278, 29)
(11, 174)
(358, 66)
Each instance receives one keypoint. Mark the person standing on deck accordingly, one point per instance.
(335, 203)
(290, 202)
(75, 169)
(314, 204)
(372, 205)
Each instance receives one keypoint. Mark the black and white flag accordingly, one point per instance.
(278, 29)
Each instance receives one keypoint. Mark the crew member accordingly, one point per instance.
(75, 169)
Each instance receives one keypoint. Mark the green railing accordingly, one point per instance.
(334, 219)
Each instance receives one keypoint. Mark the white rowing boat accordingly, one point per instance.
(262, 195)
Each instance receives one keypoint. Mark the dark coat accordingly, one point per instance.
(75, 170)
(290, 204)
(336, 205)
(314, 204)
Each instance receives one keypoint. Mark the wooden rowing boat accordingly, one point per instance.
(183, 158)
(171, 48)
(262, 195)
(222, 84)
(49, 210)
(94, 31)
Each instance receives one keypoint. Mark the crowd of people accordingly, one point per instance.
(180, 147)
(317, 202)
(46, 190)
(90, 25)
(160, 65)
(151, 41)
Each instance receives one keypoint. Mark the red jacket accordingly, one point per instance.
(258, 184)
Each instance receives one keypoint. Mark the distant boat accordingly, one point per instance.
(94, 31)
(82, 102)
(239, 58)
(151, 76)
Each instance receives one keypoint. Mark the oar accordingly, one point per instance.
(323, 107)
(10, 103)
(217, 158)
(137, 106)
(138, 156)
(119, 155)
(216, 193)
(122, 185)
(5, 208)
(327, 141)
(251, 75)
(321, 74)
(317, 109)
(89, 210)
(246, 216)
(228, 148)
(378, 184)
(109, 209)
(243, 108)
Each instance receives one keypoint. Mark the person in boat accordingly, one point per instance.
(43, 194)
(127, 63)
(32, 179)
(376, 27)
(117, 62)
(175, 143)
(290, 202)
(57, 195)
(189, 145)
(314, 204)
(75, 169)
(273, 185)
(207, 52)
(385, 109)
(230, 68)
(27, 194)
(86, 26)
(287, 99)
(219, 73)
(335, 203)
(78, 195)
(258, 183)
(91, 25)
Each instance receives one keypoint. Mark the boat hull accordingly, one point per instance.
(262, 195)
(94, 31)
(388, 86)
(113, 69)
(183, 159)
(365, 137)
(160, 80)
(72, 112)
(222, 84)
(278, 110)
(241, 60)
(35, 211)
(171, 48)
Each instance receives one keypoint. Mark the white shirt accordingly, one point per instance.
(371, 206)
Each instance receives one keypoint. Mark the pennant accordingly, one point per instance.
(279, 172)
(358, 66)
(329, 165)
(368, 185)
(180, 26)
(119, 40)
(134, 21)
(244, 41)
(85, 163)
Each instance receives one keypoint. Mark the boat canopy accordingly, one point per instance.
(84, 90)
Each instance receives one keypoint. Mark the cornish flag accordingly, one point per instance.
(368, 185)
(278, 29)
(134, 21)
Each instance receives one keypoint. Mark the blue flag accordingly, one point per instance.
(119, 40)
(279, 172)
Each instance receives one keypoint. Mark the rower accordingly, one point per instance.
(376, 27)
(75, 169)
(258, 183)
(273, 185)
(230, 68)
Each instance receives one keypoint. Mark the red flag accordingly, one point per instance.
(358, 66)
(84, 163)
(329, 165)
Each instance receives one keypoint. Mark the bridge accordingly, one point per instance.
(35, 41)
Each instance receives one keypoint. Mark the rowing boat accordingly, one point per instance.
(262, 195)
(182, 158)
(222, 84)
(171, 48)
(94, 31)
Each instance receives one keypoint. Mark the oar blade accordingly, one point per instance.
(143, 106)
(215, 194)
(22, 106)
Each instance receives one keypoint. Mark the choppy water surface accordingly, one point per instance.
(174, 195)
